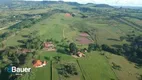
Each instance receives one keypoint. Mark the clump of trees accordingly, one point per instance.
(117, 51)
(32, 43)
(57, 59)
(23, 24)
(73, 48)
(132, 51)
(67, 70)
(5, 35)
(93, 47)
(9, 56)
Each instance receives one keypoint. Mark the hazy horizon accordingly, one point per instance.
(110, 2)
(131, 3)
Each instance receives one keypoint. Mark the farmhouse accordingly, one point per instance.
(80, 54)
(49, 46)
(68, 15)
(39, 63)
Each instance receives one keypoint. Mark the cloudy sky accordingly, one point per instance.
(111, 2)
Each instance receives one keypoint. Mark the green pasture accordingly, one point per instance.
(95, 67)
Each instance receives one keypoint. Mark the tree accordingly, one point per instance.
(90, 47)
(57, 58)
(0, 71)
(105, 47)
(68, 69)
(122, 38)
(73, 48)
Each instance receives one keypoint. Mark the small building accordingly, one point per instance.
(68, 15)
(80, 54)
(39, 63)
(49, 46)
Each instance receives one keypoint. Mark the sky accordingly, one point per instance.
(110, 2)
(5, 1)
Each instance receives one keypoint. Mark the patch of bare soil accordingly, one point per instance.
(83, 38)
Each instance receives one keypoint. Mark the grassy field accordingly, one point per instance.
(64, 59)
(95, 67)
(98, 70)
(58, 27)
(49, 28)
(43, 73)
(128, 70)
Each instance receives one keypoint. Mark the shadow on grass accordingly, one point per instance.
(63, 51)
(21, 41)
(25, 36)
(113, 39)
(116, 46)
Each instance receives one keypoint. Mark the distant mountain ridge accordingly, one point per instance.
(102, 5)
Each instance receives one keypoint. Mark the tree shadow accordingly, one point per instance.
(63, 46)
(25, 36)
(63, 51)
(12, 47)
(116, 46)
(21, 41)
(113, 39)
(22, 46)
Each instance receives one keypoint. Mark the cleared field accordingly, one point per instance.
(95, 67)
(128, 70)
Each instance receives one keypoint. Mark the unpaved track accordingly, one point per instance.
(3, 28)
